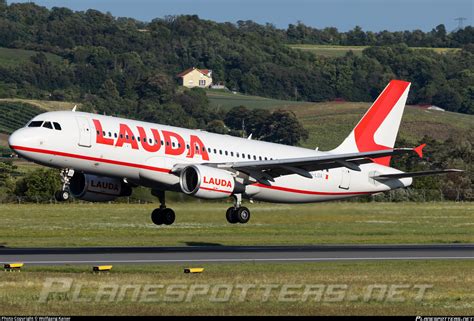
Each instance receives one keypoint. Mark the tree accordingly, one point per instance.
(40, 184)
(284, 128)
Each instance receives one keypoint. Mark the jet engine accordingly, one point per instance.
(94, 188)
(208, 182)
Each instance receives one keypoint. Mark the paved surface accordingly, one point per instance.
(210, 254)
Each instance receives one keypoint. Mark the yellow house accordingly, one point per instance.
(194, 77)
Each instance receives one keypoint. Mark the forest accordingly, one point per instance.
(129, 67)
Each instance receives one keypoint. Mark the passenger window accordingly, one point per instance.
(232, 154)
(260, 157)
(110, 134)
(57, 126)
(138, 138)
(243, 155)
(226, 153)
(220, 151)
(254, 157)
(249, 157)
(47, 124)
(36, 123)
(215, 151)
(103, 133)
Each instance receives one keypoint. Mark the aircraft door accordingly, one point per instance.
(345, 178)
(84, 131)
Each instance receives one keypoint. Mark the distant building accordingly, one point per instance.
(194, 77)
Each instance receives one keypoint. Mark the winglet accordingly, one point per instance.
(419, 150)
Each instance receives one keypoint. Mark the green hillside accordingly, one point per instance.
(14, 57)
(339, 51)
(330, 122)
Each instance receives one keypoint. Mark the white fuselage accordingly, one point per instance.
(78, 146)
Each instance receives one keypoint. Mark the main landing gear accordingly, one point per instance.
(64, 194)
(162, 215)
(237, 213)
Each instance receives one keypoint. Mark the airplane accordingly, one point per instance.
(102, 157)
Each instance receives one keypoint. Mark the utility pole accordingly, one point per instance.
(460, 21)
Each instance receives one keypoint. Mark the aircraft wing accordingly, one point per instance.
(414, 174)
(265, 171)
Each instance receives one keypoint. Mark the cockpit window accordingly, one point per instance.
(57, 126)
(36, 123)
(47, 124)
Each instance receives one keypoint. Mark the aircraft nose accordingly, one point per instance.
(16, 139)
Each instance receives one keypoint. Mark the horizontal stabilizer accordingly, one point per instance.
(414, 174)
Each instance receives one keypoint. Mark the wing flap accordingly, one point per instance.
(415, 174)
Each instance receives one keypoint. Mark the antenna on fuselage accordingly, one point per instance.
(74, 108)
(250, 136)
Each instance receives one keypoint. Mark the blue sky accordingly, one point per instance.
(375, 15)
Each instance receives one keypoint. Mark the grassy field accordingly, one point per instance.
(205, 223)
(340, 51)
(226, 100)
(449, 284)
(14, 57)
(45, 105)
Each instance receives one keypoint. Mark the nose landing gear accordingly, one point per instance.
(64, 194)
(237, 213)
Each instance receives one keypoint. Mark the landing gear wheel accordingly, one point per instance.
(157, 217)
(61, 196)
(242, 214)
(168, 216)
(231, 215)
(162, 216)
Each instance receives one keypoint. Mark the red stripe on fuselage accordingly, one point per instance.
(214, 190)
(164, 170)
(300, 191)
(95, 159)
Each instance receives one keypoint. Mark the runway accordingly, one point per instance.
(235, 254)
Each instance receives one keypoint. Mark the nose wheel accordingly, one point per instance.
(237, 213)
(63, 194)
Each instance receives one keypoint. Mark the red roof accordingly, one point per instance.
(187, 71)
